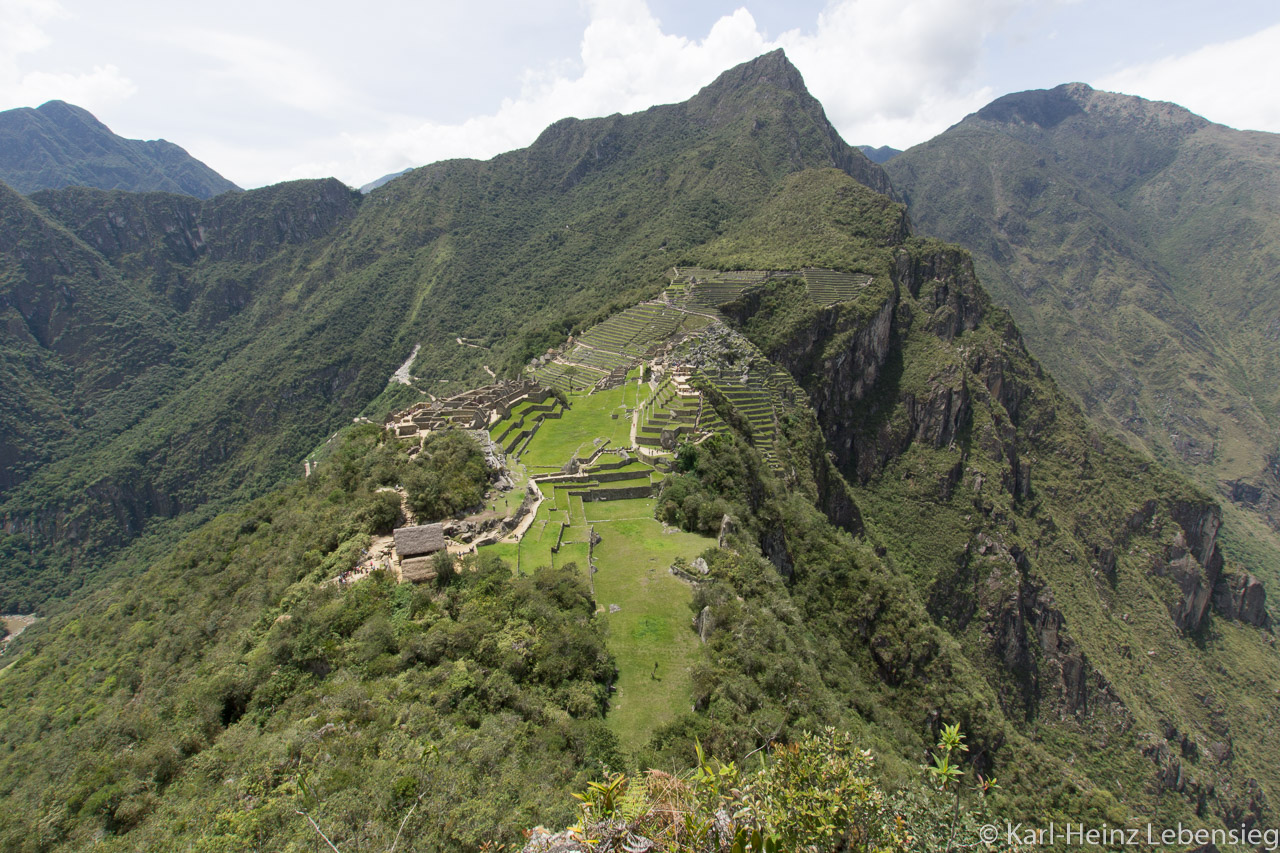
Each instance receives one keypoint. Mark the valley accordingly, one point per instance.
(725, 464)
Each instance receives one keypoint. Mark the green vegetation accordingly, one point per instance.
(818, 793)
(449, 476)
(289, 317)
(60, 145)
(189, 707)
(586, 425)
(642, 605)
(649, 634)
(1130, 241)
(915, 530)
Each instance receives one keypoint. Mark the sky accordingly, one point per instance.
(270, 91)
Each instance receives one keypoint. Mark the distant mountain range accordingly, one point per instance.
(883, 154)
(60, 145)
(373, 185)
(907, 524)
(1136, 245)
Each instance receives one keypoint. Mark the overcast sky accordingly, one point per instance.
(269, 90)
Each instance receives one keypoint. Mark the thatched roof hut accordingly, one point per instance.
(419, 541)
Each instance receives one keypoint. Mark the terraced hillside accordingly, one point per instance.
(594, 509)
(592, 432)
(672, 332)
(917, 529)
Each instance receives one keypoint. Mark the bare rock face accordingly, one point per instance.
(1262, 497)
(947, 285)
(727, 527)
(773, 544)
(704, 623)
(542, 840)
(1193, 561)
(1242, 598)
(1028, 633)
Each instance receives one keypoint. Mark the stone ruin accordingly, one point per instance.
(475, 409)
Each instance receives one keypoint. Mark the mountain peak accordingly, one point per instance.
(60, 144)
(61, 111)
(1047, 108)
(771, 69)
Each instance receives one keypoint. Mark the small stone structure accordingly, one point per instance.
(475, 409)
(415, 547)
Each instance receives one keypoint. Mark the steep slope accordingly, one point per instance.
(1134, 244)
(140, 310)
(914, 528)
(323, 298)
(59, 145)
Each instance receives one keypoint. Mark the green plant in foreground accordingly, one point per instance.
(815, 794)
(945, 773)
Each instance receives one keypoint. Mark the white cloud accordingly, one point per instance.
(887, 72)
(1225, 82)
(256, 67)
(274, 105)
(22, 26)
(893, 73)
(91, 90)
(22, 32)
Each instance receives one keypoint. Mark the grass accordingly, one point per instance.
(652, 624)
(587, 420)
(601, 511)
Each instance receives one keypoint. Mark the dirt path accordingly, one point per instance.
(527, 521)
(15, 624)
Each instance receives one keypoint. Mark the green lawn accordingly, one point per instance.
(619, 510)
(653, 623)
(576, 433)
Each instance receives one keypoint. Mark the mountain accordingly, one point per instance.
(1133, 242)
(881, 155)
(295, 303)
(58, 145)
(782, 470)
(373, 185)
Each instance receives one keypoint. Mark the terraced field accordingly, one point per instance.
(647, 609)
(827, 287)
(514, 432)
(597, 464)
(704, 290)
(603, 354)
(758, 402)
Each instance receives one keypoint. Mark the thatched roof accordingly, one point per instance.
(417, 541)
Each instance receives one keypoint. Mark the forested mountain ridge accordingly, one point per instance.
(907, 524)
(1134, 242)
(317, 294)
(60, 145)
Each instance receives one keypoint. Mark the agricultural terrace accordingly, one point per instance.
(627, 561)
(634, 384)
